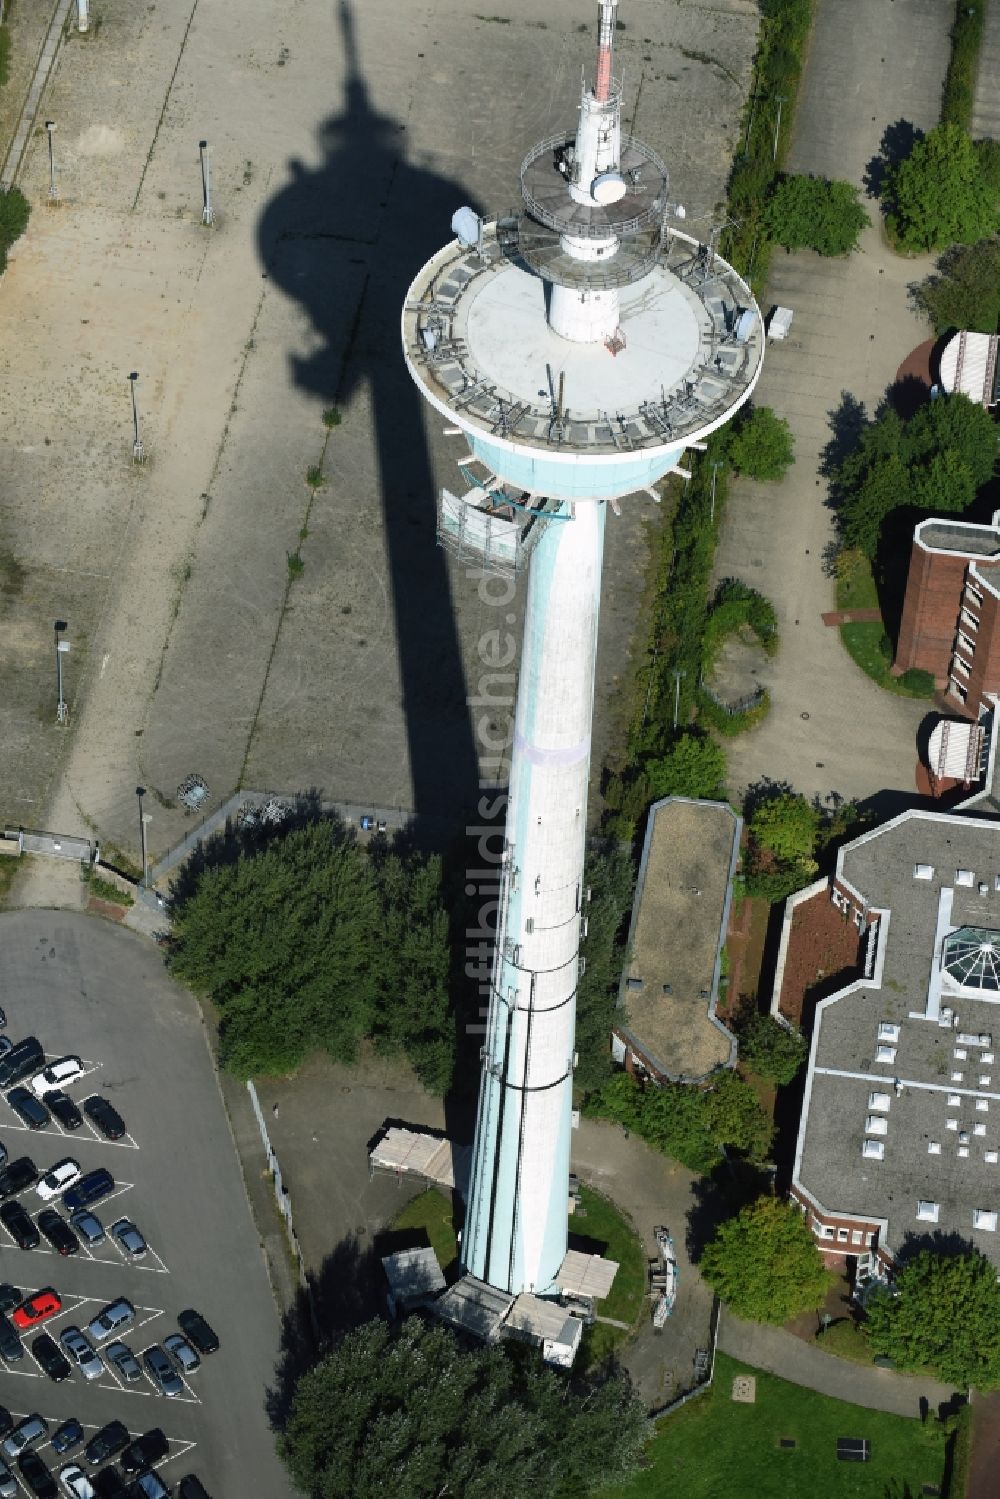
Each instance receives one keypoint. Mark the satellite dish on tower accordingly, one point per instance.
(608, 187)
(467, 227)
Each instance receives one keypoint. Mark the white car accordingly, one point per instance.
(76, 1483)
(63, 1174)
(65, 1070)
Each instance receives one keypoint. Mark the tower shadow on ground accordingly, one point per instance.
(378, 211)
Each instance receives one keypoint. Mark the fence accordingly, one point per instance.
(56, 845)
(742, 705)
(281, 1195)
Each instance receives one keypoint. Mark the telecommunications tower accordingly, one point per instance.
(579, 345)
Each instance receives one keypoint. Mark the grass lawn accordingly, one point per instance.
(716, 1449)
(603, 1225)
(846, 1341)
(431, 1212)
(867, 643)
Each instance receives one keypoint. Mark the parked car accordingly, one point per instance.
(8, 1483)
(37, 1476)
(6, 1421)
(3, 1148)
(105, 1116)
(63, 1174)
(6, 1046)
(191, 1487)
(182, 1353)
(51, 1358)
(65, 1110)
(110, 1484)
(29, 1109)
(17, 1176)
(67, 1436)
(120, 1357)
(34, 1309)
(56, 1075)
(10, 1297)
(88, 1226)
(32, 1429)
(148, 1486)
(20, 1225)
(80, 1351)
(198, 1331)
(90, 1188)
(11, 1347)
(128, 1237)
(105, 1443)
(22, 1058)
(162, 1372)
(143, 1452)
(76, 1483)
(58, 1232)
(111, 1318)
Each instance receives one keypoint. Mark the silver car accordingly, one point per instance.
(75, 1481)
(31, 1429)
(112, 1318)
(128, 1237)
(183, 1354)
(124, 1362)
(8, 1483)
(88, 1226)
(81, 1353)
(161, 1371)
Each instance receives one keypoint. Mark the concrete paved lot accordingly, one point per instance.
(830, 728)
(89, 988)
(343, 138)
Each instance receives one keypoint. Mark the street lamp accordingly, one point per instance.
(715, 470)
(62, 646)
(50, 126)
(140, 792)
(137, 451)
(207, 212)
(777, 127)
(677, 693)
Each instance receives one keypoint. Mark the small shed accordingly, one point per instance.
(415, 1278)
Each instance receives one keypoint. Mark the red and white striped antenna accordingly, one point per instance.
(605, 48)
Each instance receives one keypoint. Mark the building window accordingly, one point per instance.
(963, 1152)
(859, 919)
(885, 1054)
(874, 1150)
(887, 1031)
(927, 1212)
(824, 1230)
(879, 1102)
(857, 1237)
(841, 1235)
(957, 1077)
(984, 1220)
(979, 1129)
(954, 1099)
(973, 593)
(957, 690)
(970, 619)
(965, 877)
(966, 643)
(984, 1079)
(923, 871)
(987, 1056)
(934, 1147)
(960, 1054)
(991, 1157)
(961, 667)
(876, 1124)
(952, 1123)
(982, 1106)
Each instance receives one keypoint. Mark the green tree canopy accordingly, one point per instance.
(764, 1263)
(773, 1051)
(610, 877)
(307, 944)
(787, 825)
(691, 1124)
(939, 194)
(813, 213)
(757, 443)
(964, 291)
(885, 487)
(692, 765)
(411, 1413)
(943, 1314)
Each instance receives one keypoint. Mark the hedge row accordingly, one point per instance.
(959, 91)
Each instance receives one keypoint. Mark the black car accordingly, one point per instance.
(6, 1421)
(50, 1356)
(23, 1059)
(191, 1487)
(142, 1452)
(37, 1476)
(11, 1347)
(58, 1232)
(10, 1297)
(110, 1484)
(29, 1109)
(105, 1116)
(62, 1106)
(90, 1188)
(109, 1440)
(20, 1225)
(67, 1436)
(194, 1327)
(17, 1175)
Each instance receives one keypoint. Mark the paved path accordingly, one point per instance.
(986, 108)
(853, 328)
(25, 125)
(985, 1463)
(780, 1352)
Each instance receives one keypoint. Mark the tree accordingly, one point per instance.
(414, 1014)
(692, 765)
(955, 426)
(813, 213)
(764, 1263)
(942, 1314)
(862, 515)
(610, 877)
(787, 825)
(964, 292)
(772, 1050)
(411, 1413)
(939, 195)
(15, 211)
(758, 444)
(691, 1124)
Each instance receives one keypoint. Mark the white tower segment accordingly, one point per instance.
(579, 346)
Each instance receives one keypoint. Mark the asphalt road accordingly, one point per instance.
(86, 987)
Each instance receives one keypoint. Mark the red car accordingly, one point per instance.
(37, 1308)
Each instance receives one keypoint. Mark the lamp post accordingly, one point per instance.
(140, 792)
(715, 470)
(62, 646)
(137, 451)
(50, 126)
(677, 694)
(777, 127)
(207, 212)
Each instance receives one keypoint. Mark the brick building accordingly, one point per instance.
(951, 613)
(899, 1135)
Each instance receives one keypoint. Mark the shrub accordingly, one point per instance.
(15, 211)
(964, 291)
(758, 443)
(813, 213)
(938, 195)
(958, 94)
(772, 1050)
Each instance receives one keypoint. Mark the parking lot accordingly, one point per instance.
(96, 991)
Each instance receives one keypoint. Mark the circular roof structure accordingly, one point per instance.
(972, 958)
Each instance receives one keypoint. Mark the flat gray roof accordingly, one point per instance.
(679, 919)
